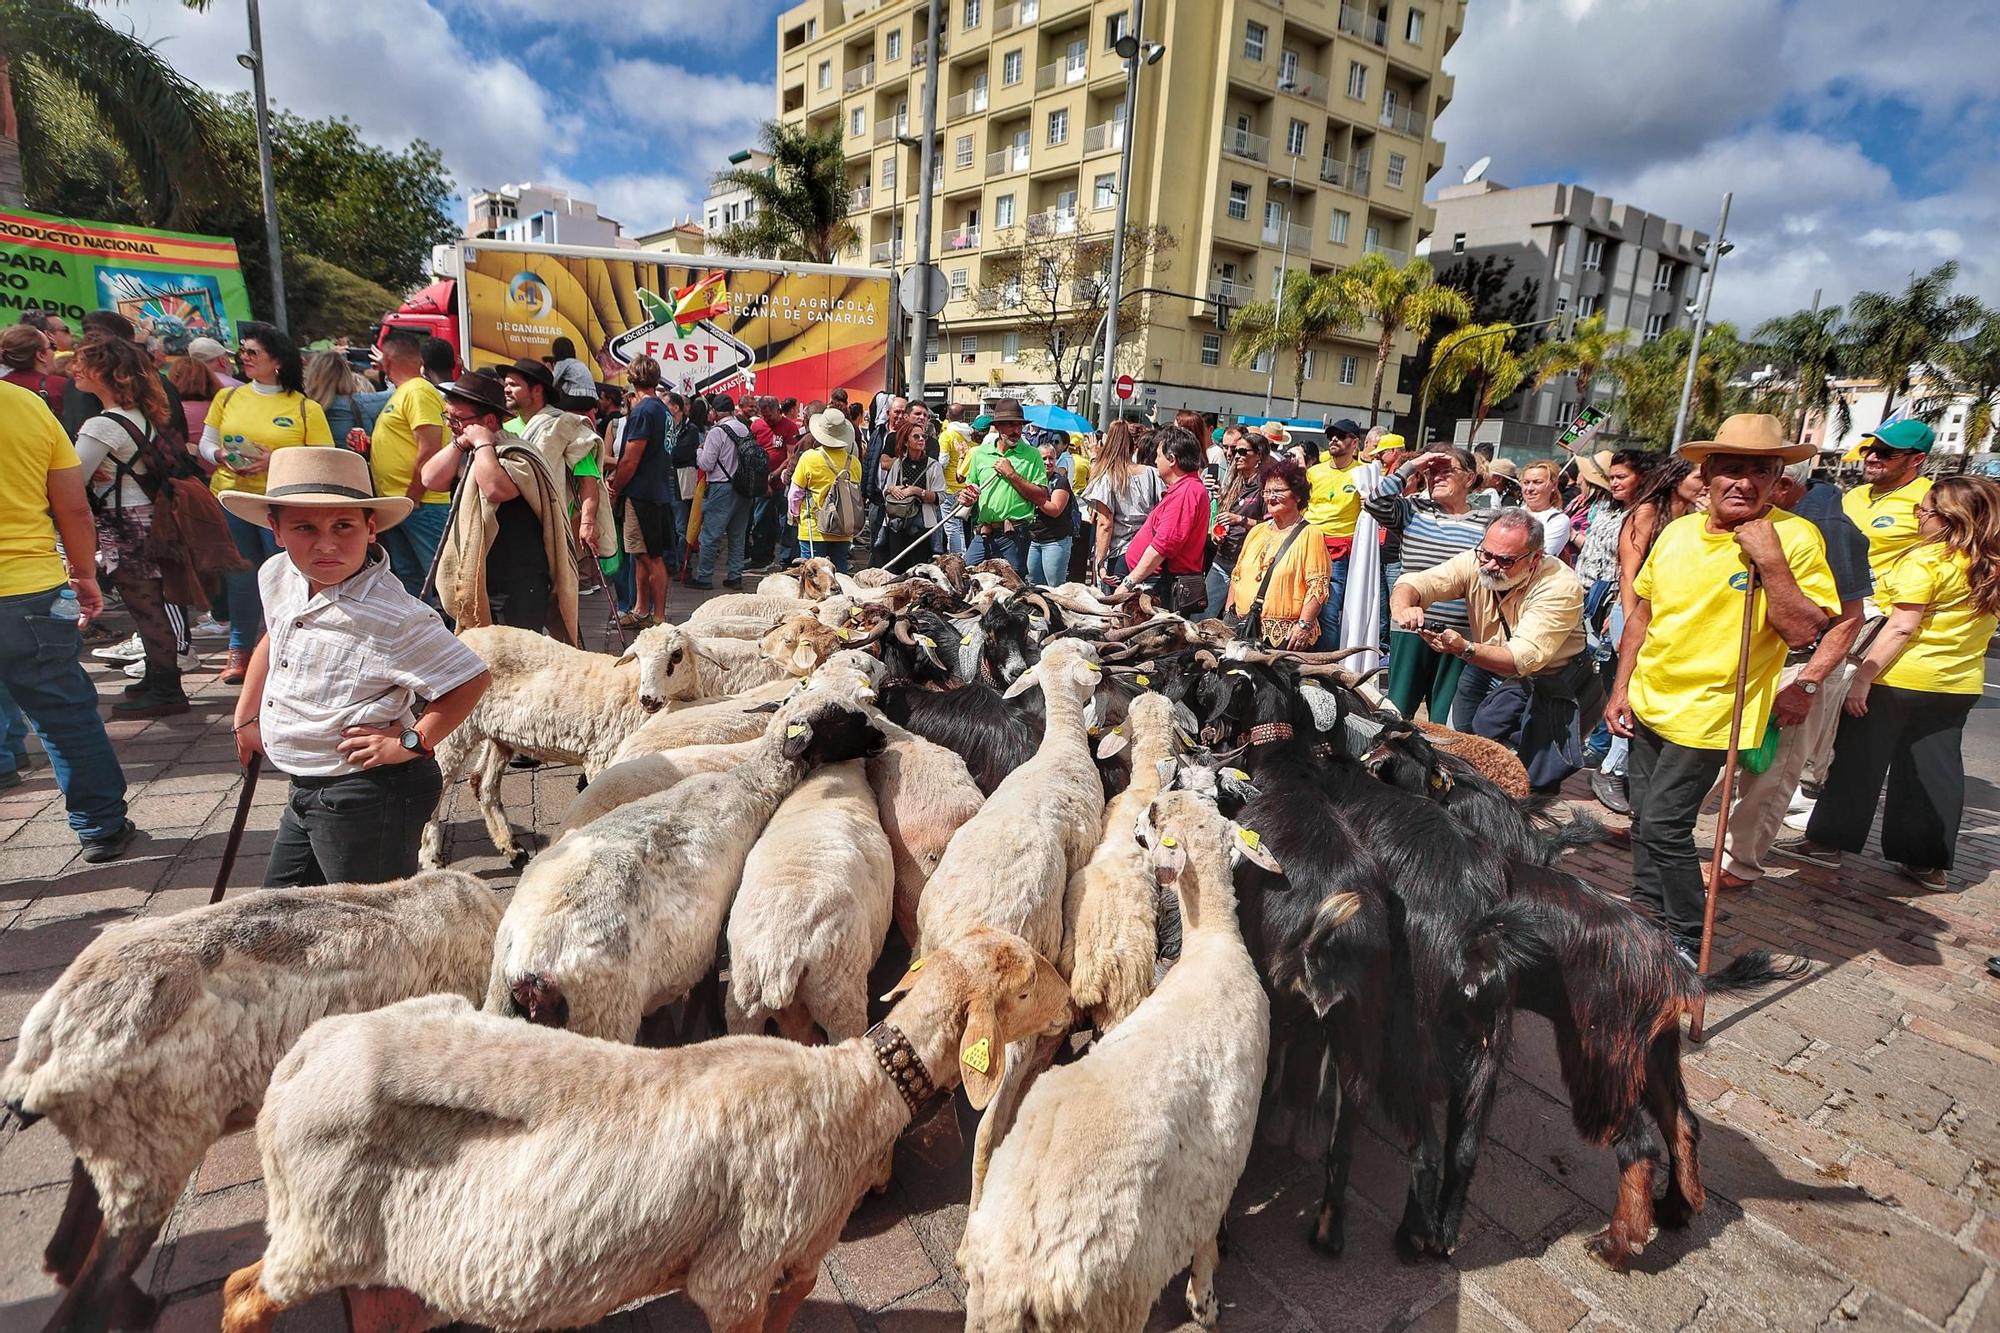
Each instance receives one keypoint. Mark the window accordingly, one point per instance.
(1593, 256)
(1308, 367)
(1350, 368)
(1586, 306)
(1261, 363)
(1357, 80)
(1066, 204)
(1395, 174)
(1116, 26)
(1413, 28)
(1338, 232)
(857, 121)
(825, 75)
(1288, 68)
(892, 46)
(968, 346)
(1010, 346)
(1277, 283)
(1371, 238)
(1239, 201)
(1076, 60)
(812, 29)
(1051, 274)
(1663, 276)
(1655, 326)
(889, 174)
(1104, 191)
(1295, 138)
(1458, 242)
(958, 284)
(1059, 126)
(973, 12)
(1010, 290)
(1010, 68)
(1254, 35)
(711, 222)
(930, 348)
(962, 152)
(1003, 211)
(1562, 305)
(1211, 349)
(1274, 215)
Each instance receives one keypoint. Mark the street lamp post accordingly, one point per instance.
(925, 163)
(1135, 51)
(253, 60)
(1424, 385)
(1717, 248)
(1284, 261)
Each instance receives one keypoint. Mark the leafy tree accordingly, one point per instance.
(801, 200)
(1896, 335)
(1317, 308)
(1397, 298)
(1650, 378)
(1587, 350)
(1810, 344)
(52, 51)
(324, 300)
(1970, 367)
(1481, 357)
(1488, 284)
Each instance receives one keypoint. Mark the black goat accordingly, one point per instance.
(1404, 757)
(993, 735)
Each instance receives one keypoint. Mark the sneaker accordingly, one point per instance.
(109, 846)
(1805, 849)
(1610, 791)
(1930, 879)
(184, 663)
(125, 650)
(1798, 819)
(208, 627)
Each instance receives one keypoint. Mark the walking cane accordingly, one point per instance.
(250, 772)
(953, 510)
(1699, 1016)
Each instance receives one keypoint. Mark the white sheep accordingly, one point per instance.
(554, 703)
(1110, 928)
(809, 579)
(644, 775)
(707, 722)
(810, 918)
(445, 1165)
(746, 606)
(1118, 1168)
(162, 1034)
(621, 917)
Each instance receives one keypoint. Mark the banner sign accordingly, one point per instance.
(1580, 430)
(186, 286)
(712, 326)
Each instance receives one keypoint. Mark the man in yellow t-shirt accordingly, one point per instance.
(1885, 509)
(408, 433)
(41, 495)
(1677, 662)
(1333, 502)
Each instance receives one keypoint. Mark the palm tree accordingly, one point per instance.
(1396, 299)
(1971, 368)
(1893, 335)
(55, 51)
(801, 199)
(1650, 378)
(1316, 307)
(1811, 343)
(1479, 355)
(1589, 345)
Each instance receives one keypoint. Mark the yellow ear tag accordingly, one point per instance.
(844, 633)
(978, 1057)
(1093, 666)
(1249, 838)
(1236, 773)
(1239, 671)
(1145, 680)
(916, 965)
(927, 641)
(796, 730)
(1168, 841)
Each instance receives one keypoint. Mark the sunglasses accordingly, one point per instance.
(1243, 453)
(1882, 451)
(1486, 557)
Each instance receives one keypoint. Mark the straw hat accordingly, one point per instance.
(1275, 432)
(1750, 435)
(1594, 469)
(1502, 467)
(320, 477)
(832, 428)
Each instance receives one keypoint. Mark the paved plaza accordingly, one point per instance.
(1851, 1121)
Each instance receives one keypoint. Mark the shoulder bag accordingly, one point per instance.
(1252, 625)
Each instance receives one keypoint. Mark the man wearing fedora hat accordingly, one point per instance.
(1679, 657)
(330, 691)
(1006, 483)
(565, 441)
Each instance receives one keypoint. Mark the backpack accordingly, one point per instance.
(838, 514)
(752, 476)
(189, 539)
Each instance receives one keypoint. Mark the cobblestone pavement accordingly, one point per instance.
(1851, 1140)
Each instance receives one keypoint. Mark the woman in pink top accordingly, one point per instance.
(1169, 549)
(197, 385)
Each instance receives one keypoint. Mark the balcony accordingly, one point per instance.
(886, 252)
(1243, 143)
(858, 197)
(965, 238)
(1235, 293)
(856, 79)
(1007, 161)
(1289, 235)
(920, 54)
(887, 128)
(1106, 138)
(1304, 83)
(1060, 74)
(971, 102)
(1355, 23)
(1333, 171)
(1403, 120)
(1052, 222)
(1020, 14)
(1388, 252)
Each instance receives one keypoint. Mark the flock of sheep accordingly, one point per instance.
(455, 1118)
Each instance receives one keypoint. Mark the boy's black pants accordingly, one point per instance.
(359, 828)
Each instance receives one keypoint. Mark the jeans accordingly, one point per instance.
(1009, 546)
(359, 828)
(1617, 758)
(246, 604)
(837, 552)
(683, 511)
(1218, 592)
(725, 521)
(1668, 783)
(413, 544)
(41, 675)
(1474, 684)
(1329, 614)
(1910, 739)
(1048, 562)
(14, 753)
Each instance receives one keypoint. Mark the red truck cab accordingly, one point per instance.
(431, 311)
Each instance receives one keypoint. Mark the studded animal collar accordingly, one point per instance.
(1267, 733)
(905, 1068)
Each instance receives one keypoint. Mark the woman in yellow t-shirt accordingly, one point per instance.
(1912, 693)
(269, 411)
(820, 465)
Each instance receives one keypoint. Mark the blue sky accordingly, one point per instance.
(1860, 139)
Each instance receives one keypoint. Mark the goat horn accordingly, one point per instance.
(1207, 660)
(1321, 659)
(1033, 598)
(1077, 608)
(903, 635)
(1328, 671)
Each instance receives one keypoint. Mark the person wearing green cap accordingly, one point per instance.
(1892, 464)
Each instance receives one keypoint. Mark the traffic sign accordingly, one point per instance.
(1124, 386)
(923, 289)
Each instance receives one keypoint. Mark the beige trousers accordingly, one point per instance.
(1763, 798)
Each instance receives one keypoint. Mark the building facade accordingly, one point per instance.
(1590, 255)
(1267, 136)
(725, 208)
(1868, 403)
(539, 215)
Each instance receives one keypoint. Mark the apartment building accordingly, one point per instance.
(1591, 255)
(541, 215)
(1267, 135)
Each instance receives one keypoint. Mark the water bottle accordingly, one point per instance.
(66, 607)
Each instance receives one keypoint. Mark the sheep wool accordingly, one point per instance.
(648, 775)
(715, 722)
(1118, 1168)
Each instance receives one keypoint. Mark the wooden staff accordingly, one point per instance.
(1699, 1017)
(250, 772)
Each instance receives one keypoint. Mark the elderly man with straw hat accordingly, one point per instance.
(330, 692)
(1680, 669)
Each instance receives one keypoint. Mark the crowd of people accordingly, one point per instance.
(1574, 609)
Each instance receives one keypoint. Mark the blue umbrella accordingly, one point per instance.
(1050, 417)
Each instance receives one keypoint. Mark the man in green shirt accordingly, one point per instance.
(1006, 481)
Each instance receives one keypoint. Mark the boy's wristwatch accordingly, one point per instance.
(413, 741)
